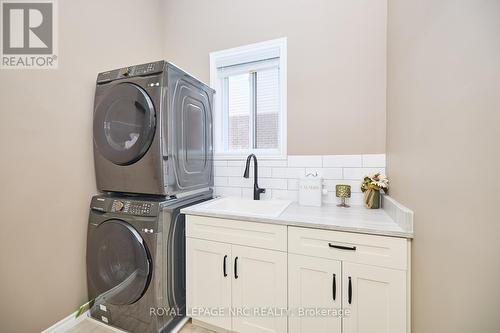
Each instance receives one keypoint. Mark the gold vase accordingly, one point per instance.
(372, 199)
(343, 192)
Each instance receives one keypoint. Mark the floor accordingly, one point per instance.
(91, 326)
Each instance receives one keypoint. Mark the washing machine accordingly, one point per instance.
(136, 261)
(152, 131)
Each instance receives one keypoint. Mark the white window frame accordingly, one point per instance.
(256, 52)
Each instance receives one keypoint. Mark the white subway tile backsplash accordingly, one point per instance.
(238, 163)
(228, 191)
(360, 173)
(273, 163)
(221, 171)
(331, 183)
(286, 195)
(264, 172)
(273, 183)
(356, 199)
(261, 162)
(279, 172)
(220, 181)
(280, 178)
(293, 184)
(220, 163)
(374, 160)
(342, 161)
(288, 173)
(240, 182)
(326, 173)
(305, 161)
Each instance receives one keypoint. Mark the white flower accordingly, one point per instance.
(381, 184)
(377, 179)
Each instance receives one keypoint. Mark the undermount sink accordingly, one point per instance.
(237, 206)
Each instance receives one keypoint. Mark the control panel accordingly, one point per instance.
(125, 206)
(132, 207)
(137, 70)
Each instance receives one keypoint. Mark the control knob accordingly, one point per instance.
(118, 206)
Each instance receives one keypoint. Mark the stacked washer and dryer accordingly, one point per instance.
(153, 156)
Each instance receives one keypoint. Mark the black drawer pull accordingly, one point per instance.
(236, 267)
(340, 247)
(349, 291)
(334, 287)
(224, 266)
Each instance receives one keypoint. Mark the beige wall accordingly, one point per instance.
(443, 139)
(336, 62)
(46, 170)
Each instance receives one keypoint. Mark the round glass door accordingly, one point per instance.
(124, 124)
(118, 263)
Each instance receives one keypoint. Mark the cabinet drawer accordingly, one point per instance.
(358, 248)
(267, 236)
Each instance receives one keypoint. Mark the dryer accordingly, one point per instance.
(136, 261)
(152, 131)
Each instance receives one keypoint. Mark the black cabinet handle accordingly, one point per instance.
(236, 267)
(224, 266)
(340, 247)
(349, 291)
(334, 287)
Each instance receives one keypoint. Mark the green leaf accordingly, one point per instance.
(84, 307)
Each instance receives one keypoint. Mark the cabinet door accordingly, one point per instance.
(207, 288)
(259, 283)
(314, 283)
(374, 299)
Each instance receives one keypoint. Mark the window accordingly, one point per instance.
(250, 102)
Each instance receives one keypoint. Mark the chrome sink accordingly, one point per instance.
(237, 206)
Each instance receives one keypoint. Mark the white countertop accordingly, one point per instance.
(353, 219)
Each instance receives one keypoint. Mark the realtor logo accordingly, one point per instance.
(28, 34)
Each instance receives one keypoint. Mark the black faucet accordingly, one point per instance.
(256, 189)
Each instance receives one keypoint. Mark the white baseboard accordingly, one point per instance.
(66, 323)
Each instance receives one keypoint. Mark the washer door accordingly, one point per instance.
(118, 263)
(124, 124)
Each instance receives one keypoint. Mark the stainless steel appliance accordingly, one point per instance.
(152, 131)
(136, 261)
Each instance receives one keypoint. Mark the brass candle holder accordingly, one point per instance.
(343, 191)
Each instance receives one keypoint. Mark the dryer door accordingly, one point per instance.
(118, 263)
(124, 124)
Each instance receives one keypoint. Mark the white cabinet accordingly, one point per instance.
(327, 281)
(260, 285)
(208, 288)
(226, 269)
(314, 283)
(376, 299)
(373, 299)
(372, 276)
